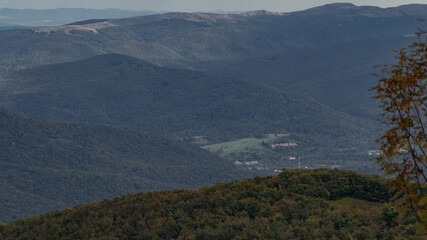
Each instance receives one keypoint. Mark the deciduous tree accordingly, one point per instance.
(402, 92)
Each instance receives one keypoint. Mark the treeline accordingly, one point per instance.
(296, 204)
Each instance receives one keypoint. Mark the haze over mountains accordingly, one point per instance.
(199, 40)
(13, 18)
(301, 77)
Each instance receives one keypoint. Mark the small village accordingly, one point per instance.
(284, 145)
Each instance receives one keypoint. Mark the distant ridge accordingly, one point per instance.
(338, 75)
(90, 21)
(198, 40)
(124, 91)
(61, 16)
(368, 11)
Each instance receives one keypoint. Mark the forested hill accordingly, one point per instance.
(45, 166)
(337, 75)
(198, 39)
(296, 204)
(124, 91)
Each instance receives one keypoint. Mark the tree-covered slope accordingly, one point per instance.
(124, 91)
(297, 204)
(45, 166)
(198, 39)
(338, 75)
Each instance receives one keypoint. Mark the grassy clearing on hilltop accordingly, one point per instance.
(242, 145)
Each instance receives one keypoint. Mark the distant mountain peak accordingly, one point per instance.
(91, 27)
(334, 7)
(348, 10)
(94, 25)
(341, 5)
(344, 10)
(261, 12)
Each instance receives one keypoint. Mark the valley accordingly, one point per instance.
(273, 152)
(123, 91)
(153, 102)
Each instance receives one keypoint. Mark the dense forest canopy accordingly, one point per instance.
(296, 204)
(49, 165)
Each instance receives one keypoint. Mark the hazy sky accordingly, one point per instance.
(194, 5)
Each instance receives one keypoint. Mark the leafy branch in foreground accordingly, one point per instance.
(401, 90)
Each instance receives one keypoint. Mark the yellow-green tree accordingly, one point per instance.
(402, 92)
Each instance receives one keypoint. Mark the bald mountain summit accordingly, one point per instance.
(197, 40)
(13, 18)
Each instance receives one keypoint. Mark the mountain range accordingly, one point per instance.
(12, 18)
(124, 91)
(87, 101)
(195, 40)
(338, 75)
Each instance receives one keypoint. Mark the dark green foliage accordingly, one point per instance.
(49, 165)
(260, 208)
(335, 38)
(124, 91)
(334, 184)
(337, 75)
(45, 166)
(340, 39)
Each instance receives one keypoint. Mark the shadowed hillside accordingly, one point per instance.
(45, 166)
(125, 91)
(338, 75)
